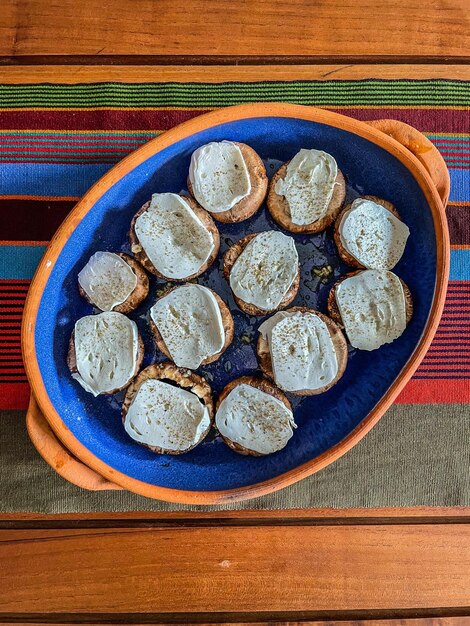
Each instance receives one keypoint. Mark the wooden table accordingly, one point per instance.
(403, 566)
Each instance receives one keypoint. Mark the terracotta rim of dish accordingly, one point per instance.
(170, 137)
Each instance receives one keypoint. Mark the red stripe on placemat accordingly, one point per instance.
(448, 120)
(14, 395)
(443, 376)
(109, 119)
(14, 387)
(13, 382)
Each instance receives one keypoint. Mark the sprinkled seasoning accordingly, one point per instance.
(372, 307)
(308, 185)
(324, 273)
(173, 237)
(255, 420)
(265, 270)
(107, 280)
(219, 176)
(165, 416)
(373, 235)
(190, 323)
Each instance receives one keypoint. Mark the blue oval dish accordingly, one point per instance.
(328, 424)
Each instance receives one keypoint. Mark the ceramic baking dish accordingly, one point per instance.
(83, 438)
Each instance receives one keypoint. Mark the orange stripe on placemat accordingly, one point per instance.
(435, 391)
(41, 198)
(23, 242)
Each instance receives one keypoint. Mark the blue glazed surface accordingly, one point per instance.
(322, 420)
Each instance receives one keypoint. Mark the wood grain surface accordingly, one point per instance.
(420, 621)
(73, 74)
(247, 28)
(247, 517)
(392, 567)
(273, 570)
(461, 620)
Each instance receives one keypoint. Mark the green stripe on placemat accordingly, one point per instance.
(341, 93)
(415, 456)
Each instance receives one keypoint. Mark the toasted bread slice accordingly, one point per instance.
(177, 376)
(231, 256)
(72, 362)
(206, 220)
(280, 212)
(343, 253)
(247, 206)
(259, 383)
(227, 322)
(333, 309)
(339, 343)
(137, 296)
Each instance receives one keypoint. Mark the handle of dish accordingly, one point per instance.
(58, 457)
(423, 149)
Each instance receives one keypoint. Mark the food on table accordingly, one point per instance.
(228, 179)
(168, 409)
(254, 417)
(263, 272)
(369, 234)
(192, 325)
(373, 306)
(105, 352)
(302, 350)
(306, 194)
(113, 281)
(173, 237)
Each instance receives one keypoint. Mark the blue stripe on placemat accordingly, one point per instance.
(58, 180)
(20, 262)
(37, 179)
(459, 185)
(460, 265)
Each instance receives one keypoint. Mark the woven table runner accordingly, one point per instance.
(57, 140)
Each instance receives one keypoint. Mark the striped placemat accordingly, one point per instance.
(56, 140)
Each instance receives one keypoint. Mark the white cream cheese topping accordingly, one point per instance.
(190, 323)
(165, 416)
(265, 270)
(173, 237)
(372, 307)
(106, 347)
(373, 235)
(107, 280)
(255, 420)
(302, 351)
(219, 176)
(308, 185)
